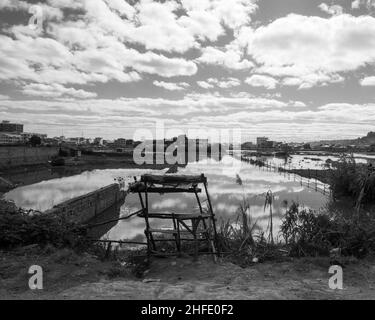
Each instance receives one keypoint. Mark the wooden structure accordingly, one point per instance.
(194, 227)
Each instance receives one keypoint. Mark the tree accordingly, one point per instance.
(35, 141)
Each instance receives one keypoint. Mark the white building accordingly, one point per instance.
(9, 138)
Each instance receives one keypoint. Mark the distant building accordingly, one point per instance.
(264, 142)
(98, 141)
(27, 135)
(248, 146)
(6, 126)
(261, 141)
(119, 143)
(9, 138)
(77, 140)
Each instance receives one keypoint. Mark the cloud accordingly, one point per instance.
(223, 83)
(358, 4)
(256, 116)
(55, 91)
(313, 47)
(4, 97)
(171, 86)
(230, 58)
(229, 83)
(257, 80)
(205, 85)
(368, 81)
(331, 10)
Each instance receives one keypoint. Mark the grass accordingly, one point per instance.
(304, 232)
(20, 227)
(355, 181)
(242, 239)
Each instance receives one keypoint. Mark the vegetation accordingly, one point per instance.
(354, 181)
(307, 233)
(304, 232)
(23, 228)
(35, 141)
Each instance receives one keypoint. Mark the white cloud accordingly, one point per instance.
(230, 59)
(171, 86)
(4, 97)
(368, 81)
(313, 47)
(205, 85)
(229, 83)
(332, 10)
(55, 91)
(358, 4)
(223, 83)
(257, 80)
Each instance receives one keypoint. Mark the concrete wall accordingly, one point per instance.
(13, 156)
(88, 206)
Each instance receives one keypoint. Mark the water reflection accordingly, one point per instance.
(226, 194)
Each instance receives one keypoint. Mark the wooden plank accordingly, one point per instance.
(140, 187)
(179, 216)
(172, 190)
(171, 231)
(173, 178)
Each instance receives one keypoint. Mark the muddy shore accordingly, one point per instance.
(71, 276)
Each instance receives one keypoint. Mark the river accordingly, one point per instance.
(225, 191)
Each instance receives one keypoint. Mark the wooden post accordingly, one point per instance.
(212, 216)
(146, 215)
(177, 234)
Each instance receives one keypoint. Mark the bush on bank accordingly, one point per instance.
(308, 233)
(21, 228)
(352, 180)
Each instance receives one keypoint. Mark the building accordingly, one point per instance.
(77, 140)
(6, 126)
(264, 142)
(10, 139)
(261, 141)
(27, 135)
(119, 143)
(98, 141)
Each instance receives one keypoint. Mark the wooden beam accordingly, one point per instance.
(173, 178)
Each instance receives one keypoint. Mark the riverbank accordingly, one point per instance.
(68, 275)
(30, 174)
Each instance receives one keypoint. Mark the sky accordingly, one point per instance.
(292, 70)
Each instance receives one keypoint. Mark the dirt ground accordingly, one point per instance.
(67, 275)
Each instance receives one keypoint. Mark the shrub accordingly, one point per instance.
(356, 181)
(307, 233)
(23, 228)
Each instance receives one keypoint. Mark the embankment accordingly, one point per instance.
(14, 156)
(83, 208)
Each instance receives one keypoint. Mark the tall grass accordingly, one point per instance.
(242, 238)
(353, 181)
(310, 233)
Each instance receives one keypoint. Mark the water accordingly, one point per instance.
(312, 161)
(226, 194)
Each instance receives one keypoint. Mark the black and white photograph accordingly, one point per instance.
(203, 152)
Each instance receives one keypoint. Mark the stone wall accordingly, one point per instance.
(88, 206)
(12, 156)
